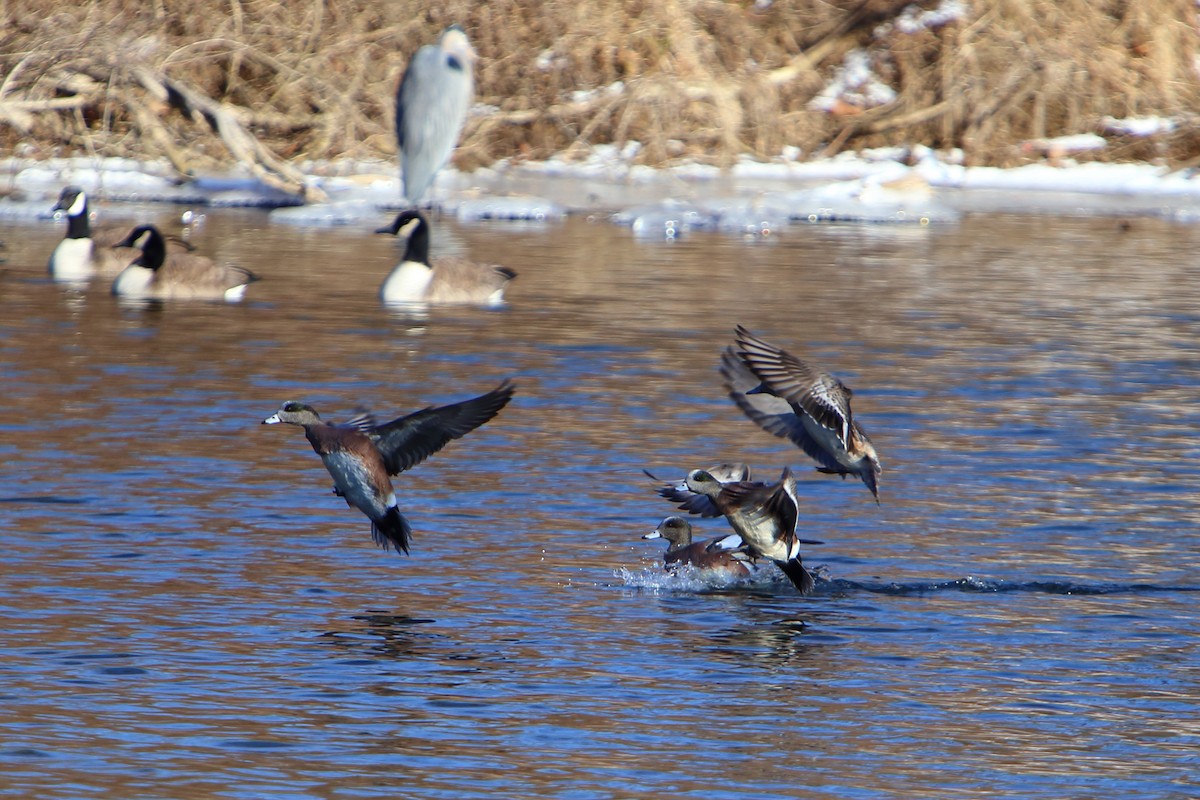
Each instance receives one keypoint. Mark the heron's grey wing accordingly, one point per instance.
(409, 440)
(431, 107)
(699, 504)
(774, 415)
(409, 94)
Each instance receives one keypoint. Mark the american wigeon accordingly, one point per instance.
(764, 515)
(158, 275)
(707, 555)
(432, 102)
(795, 400)
(447, 280)
(362, 455)
(84, 251)
(677, 492)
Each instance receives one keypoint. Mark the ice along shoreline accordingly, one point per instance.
(914, 186)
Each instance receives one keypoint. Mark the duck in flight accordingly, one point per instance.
(362, 455)
(795, 400)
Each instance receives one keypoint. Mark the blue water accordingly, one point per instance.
(189, 612)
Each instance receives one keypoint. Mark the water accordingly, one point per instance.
(190, 613)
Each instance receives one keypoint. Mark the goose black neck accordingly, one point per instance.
(417, 248)
(78, 225)
(154, 247)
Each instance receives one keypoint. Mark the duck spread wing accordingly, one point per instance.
(699, 504)
(409, 440)
(775, 415)
(819, 394)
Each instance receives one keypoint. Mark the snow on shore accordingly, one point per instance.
(903, 186)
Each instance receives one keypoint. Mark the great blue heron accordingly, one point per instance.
(431, 106)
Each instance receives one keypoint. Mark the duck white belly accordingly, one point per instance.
(829, 442)
(764, 538)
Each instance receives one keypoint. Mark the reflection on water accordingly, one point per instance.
(188, 606)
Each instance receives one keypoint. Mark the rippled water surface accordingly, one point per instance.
(189, 612)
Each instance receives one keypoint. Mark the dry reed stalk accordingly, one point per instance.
(698, 78)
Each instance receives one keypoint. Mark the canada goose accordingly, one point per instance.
(795, 400)
(85, 252)
(158, 275)
(432, 102)
(447, 280)
(361, 455)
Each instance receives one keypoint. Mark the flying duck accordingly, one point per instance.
(795, 400)
(361, 455)
(677, 492)
(447, 280)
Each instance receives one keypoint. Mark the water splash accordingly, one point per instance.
(689, 579)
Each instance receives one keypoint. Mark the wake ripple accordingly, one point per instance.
(971, 584)
(766, 577)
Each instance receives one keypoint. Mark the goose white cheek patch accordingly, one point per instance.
(77, 206)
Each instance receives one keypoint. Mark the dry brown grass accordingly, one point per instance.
(701, 79)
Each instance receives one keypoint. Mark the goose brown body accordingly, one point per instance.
(158, 275)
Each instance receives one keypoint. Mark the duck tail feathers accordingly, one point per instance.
(798, 575)
(392, 531)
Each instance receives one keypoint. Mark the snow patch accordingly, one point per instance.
(1137, 126)
(914, 19)
(854, 84)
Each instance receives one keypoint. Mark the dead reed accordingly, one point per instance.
(697, 79)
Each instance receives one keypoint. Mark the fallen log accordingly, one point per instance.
(222, 118)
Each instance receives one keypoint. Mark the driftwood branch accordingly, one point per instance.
(261, 162)
(154, 131)
(19, 113)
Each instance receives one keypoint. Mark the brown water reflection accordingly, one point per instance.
(189, 611)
